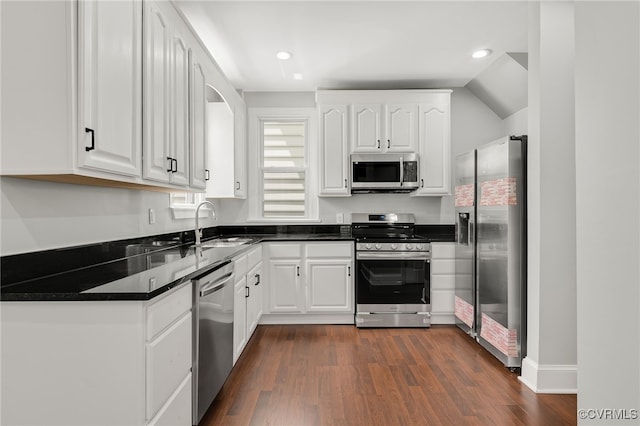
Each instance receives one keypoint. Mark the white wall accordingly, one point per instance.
(607, 85)
(550, 363)
(472, 124)
(517, 123)
(38, 215)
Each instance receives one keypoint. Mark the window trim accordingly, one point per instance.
(257, 116)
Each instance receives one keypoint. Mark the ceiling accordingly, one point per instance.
(355, 44)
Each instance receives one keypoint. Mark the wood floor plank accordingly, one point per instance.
(307, 375)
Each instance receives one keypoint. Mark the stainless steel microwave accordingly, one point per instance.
(384, 172)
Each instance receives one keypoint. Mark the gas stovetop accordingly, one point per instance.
(387, 232)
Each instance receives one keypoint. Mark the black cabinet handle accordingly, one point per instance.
(246, 293)
(257, 276)
(348, 271)
(174, 161)
(297, 270)
(93, 139)
(378, 143)
(422, 183)
(170, 169)
(388, 143)
(207, 176)
(237, 185)
(345, 183)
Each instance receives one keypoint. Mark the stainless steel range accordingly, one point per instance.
(392, 271)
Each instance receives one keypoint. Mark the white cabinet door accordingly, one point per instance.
(284, 286)
(329, 285)
(401, 130)
(198, 169)
(239, 317)
(254, 302)
(334, 151)
(110, 78)
(157, 162)
(179, 111)
(435, 154)
(366, 127)
(240, 152)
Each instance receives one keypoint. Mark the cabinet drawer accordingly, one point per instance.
(254, 257)
(240, 265)
(284, 250)
(168, 361)
(330, 250)
(165, 311)
(177, 410)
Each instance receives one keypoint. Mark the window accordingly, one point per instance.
(283, 169)
(282, 148)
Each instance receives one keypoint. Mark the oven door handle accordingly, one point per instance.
(393, 256)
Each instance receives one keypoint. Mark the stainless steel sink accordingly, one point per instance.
(226, 242)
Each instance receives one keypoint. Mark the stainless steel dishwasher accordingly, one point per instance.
(213, 336)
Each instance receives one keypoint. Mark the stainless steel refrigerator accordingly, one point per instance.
(491, 242)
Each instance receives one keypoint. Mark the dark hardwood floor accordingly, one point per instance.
(340, 375)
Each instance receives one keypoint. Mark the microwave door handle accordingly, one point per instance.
(401, 171)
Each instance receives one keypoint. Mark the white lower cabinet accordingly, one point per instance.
(309, 283)
(442, 283)
(98, 362)
(247, 298)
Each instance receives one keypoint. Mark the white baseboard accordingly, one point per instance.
(274, 319)
(443, 318)
(549, 378)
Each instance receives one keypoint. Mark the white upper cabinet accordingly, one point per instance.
(227, 147)
(122, 101)
(401, 128)
(157, 162)
(166, 105)
(72, 102)
(379, 121)
(384, 128)
(334, 151)
(110, 73)
(199, 171)
(366, 122)
(435, 148)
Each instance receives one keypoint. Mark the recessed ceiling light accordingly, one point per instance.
(297, 76)
(283, 55)
(481, 53)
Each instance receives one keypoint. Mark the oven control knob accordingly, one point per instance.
(409, 246)
(419, 247)
(367, 246)
(378, 246)
(394, 247)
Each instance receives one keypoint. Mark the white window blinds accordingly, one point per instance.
(283, 169)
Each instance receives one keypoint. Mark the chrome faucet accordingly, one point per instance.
(198, 230)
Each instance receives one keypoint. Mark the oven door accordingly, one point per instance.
(392, 282)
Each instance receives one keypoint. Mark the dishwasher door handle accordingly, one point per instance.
(216, 285)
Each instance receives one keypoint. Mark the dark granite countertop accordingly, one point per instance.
(143, 268)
